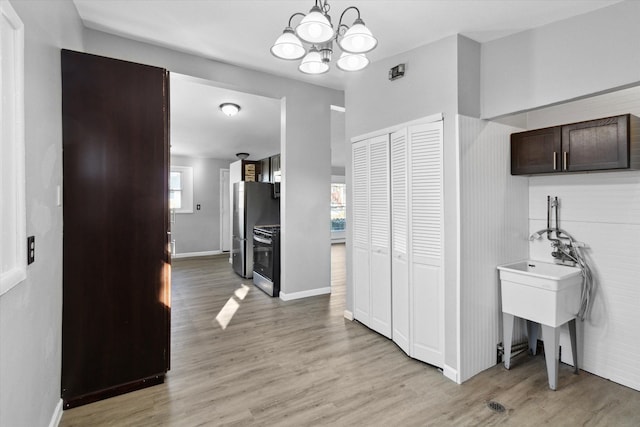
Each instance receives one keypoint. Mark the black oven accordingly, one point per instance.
(266, 258)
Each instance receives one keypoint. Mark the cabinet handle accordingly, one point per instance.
(555, 165)
(564, 160)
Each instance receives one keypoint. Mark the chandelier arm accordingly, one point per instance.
(340, 24)
(294, 15)
(324, 6)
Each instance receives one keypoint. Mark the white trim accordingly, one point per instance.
(450, 373)
(458, 259)
(196, 254)
(338, 108)
(222, 171)
(13, 64)
(427, 119)
(57, 415)
(348, 315)
(304, 294)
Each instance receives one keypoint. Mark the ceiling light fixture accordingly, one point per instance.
(229, 108)
(316, 29)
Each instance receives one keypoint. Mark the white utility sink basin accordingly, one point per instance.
(540, 291)
(545, 294)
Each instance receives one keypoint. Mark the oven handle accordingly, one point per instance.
(262, 240)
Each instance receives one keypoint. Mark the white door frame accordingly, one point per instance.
(224, 197)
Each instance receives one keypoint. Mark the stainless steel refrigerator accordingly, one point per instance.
(253, 203)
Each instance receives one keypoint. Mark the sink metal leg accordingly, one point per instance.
(507, 325)
(574, 345)
(551, 337)
(532, 333)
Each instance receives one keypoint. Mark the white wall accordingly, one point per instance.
(200, 231)
(493, 231)
(31, 313)
(305, 151)
(602, 210)
(564, 60)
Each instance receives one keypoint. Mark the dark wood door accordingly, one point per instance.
(536, 151)
(116, 264)
(596, 144)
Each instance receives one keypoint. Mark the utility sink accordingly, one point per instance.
(545, 295)
(542, 292)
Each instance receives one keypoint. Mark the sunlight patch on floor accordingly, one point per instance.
(231, 306)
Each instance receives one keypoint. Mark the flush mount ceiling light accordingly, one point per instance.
(316, 30)
(229, 108)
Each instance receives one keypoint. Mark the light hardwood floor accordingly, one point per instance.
(300, 363)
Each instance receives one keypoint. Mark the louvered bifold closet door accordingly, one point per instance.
(426, 242)
(380, 253)
(360, 218)
(399, 240)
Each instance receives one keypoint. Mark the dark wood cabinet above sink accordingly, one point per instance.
(611, 143)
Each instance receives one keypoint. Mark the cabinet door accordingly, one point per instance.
(400, 307)
(536, 151)
(426, 242)
(596, 145)
(379, 211)
(116, 264)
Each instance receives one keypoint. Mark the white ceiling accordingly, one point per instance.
(200, 129)
(241, 32)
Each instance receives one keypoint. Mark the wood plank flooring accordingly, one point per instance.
(300, 363)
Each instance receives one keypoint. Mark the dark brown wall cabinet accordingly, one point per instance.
(604, 144)
(116, 263)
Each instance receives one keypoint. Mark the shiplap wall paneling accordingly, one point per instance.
(494, 231)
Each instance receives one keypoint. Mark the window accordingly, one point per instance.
(175, 190)
(338, 207)
(13, 245)
(181, 189)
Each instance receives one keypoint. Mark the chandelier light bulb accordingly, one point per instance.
(352, 61)
(358, 39)
(288, 46)
(313, 63)
(315, 27)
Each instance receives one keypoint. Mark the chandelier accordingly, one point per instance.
(316, 30)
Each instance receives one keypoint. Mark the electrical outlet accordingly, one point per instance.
(31, 249)
(198, 207)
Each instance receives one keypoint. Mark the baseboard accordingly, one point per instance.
(451, 373)
(304, 294)
(57, 415)
(196, 254)
(348, 315)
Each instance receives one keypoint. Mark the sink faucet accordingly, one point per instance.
(563, 253)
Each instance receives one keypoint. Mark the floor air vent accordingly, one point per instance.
(495, 406)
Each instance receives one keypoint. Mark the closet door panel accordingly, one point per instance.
(361, 279)
(380, 253)
(360, 219)
(427, 312)
(426, 237)
(400, 308)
